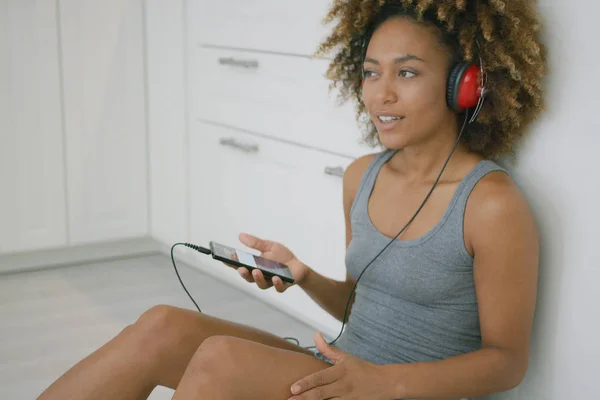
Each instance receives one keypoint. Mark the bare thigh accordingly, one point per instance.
(155, 350)
(180, 332)
(231, 368)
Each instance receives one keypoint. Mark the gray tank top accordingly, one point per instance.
(417, 301)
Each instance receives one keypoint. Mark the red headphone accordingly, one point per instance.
(465, 87)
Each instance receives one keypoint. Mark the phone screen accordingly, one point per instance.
(250, 260)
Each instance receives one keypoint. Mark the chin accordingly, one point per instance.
(394, 140)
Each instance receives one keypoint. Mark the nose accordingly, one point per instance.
(386, 91)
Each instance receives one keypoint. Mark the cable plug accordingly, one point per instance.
(200, 249)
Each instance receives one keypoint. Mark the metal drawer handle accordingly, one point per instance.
(335, 171)
(247, 148)
(249, 64)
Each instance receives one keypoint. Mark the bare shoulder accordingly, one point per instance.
(355, 172)
(497, 203)
(352, 178)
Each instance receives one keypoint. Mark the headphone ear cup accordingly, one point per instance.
(454, 81)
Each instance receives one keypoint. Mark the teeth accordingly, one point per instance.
(385, 118)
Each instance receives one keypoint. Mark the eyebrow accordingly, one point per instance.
(397, 60)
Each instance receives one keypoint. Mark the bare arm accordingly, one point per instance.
(330, 294)
(504, 241)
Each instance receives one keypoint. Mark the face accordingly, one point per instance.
(405, 74)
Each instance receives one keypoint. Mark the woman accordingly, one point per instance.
(446, 311)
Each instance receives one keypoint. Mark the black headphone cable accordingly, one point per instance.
(208, 252)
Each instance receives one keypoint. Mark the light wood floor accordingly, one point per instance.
(52, 318)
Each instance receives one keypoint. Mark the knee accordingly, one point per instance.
(216, 357)
(159, 317)
(156, 321)
(212, 368)
(156, 328)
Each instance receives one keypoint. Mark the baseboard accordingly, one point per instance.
(64, 256)
(193, 260)
(137, 247)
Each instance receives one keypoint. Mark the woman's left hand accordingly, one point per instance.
(349, 378)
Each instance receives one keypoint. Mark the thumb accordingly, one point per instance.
(254, 242)
(326, 349)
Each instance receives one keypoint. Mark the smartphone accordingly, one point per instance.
(241, 258)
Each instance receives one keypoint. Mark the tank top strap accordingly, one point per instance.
(368, 180)
(456, 209)
(454, 224)
(464, 190)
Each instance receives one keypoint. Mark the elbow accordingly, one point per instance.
(513, 381)
(516, 369)
(519, 376)
(510, 368)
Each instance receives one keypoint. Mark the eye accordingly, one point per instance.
(407, 74)
(367, 74)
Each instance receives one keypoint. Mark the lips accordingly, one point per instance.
(389, 118)
(387, 122)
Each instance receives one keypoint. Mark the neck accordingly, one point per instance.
(423, 162)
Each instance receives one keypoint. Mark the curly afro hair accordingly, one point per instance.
(504, 34)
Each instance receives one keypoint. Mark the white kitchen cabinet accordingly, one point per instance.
(166, 120)
(243, 183)
(286, 26)
(280, 96)
(102, 47)
(32, 199)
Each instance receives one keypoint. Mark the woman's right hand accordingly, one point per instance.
(276, 252)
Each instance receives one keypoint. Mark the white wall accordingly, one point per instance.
(556, 170)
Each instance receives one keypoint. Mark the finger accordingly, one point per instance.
(329, 392)
(332, 353)
(279, 285)
(254, 242)
(260, 280)
(317, 380)
(244, 273)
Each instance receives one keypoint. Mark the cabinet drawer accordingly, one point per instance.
(287, 26)
(242, 183)
(280, 96)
